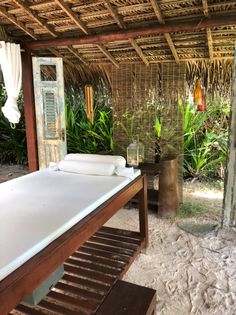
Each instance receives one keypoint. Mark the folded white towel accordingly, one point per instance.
(53, 166)
(117, 160)
(87, 167)
(125, 172)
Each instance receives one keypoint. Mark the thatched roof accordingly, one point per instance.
(111, 32)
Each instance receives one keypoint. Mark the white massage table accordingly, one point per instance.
(45, 216)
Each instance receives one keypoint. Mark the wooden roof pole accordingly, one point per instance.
(121, 24)
(108, 55)
(132, 33)
(114, 14)
(58, 54)
(208, 30)
(72, 15)
(167, 36)
(19, 24)
(77, 55)
(35, 17)
(139, 51)
(84, 28)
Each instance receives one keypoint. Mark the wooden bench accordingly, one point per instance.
(128, 299)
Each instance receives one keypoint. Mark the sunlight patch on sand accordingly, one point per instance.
(208, 194)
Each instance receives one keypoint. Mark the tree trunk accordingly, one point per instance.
(229, 204)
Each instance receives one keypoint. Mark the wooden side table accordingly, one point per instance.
(166, 199)
(151, 170)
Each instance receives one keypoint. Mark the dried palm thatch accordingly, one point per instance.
(205, 49)
(216, 76)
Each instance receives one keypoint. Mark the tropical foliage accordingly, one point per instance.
(82, 135)
(12, 140)
(205, 139)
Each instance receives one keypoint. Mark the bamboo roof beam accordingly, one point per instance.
(35, 17)
(108, 55)
(114, 14)
(121, 24)
(77, 21)
(139, 51)
(205, 7)
(167, 36)
(17, 23)
(72, 15)
(66, 60)
(208, 30)
(210, 43)
(77, 55)
(107, 37)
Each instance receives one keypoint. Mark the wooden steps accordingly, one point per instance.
(129, 299)
(90, 273)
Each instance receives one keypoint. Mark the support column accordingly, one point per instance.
(229, 204)
(29, 110)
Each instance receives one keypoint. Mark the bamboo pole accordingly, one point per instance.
(89, 102)
(134, 33)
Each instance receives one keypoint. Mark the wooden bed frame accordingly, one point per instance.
(26, 278)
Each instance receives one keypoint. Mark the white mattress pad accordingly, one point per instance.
(36, 209)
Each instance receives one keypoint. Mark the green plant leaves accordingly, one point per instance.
(205, 139)
(84, 136)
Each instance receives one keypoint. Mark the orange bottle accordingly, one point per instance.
(197, 94)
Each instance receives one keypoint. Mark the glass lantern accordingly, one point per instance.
(133, 154)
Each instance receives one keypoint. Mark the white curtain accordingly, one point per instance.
(10, 61)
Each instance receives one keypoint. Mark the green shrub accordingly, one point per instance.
(82, 135)
(12, 141)
(205, 140)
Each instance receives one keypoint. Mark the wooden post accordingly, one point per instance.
(89, 101)
(143, 212)
(29, 110)
(229, 203)
(168, 188)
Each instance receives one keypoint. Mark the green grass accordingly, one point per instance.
(193, 209)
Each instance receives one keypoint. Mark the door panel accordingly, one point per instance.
(50, 110)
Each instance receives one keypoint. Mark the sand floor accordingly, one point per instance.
(192, 274)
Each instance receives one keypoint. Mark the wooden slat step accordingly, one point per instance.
(125, 233)
(110, 242)
(94, 266)
(89, 275)
(28, 310)
(118, 238)
(81, 304)
(85, 283)
(82, 293)
(112, 249)
(59, 309)
(101, 253)
(100, 260)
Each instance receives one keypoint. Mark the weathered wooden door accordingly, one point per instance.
(50, 110)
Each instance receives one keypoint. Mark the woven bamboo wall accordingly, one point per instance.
(138, 94)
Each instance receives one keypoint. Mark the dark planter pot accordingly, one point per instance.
(168, 188)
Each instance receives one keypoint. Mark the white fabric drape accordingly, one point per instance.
(10, 61)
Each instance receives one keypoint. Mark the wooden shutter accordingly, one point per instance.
(50, 111)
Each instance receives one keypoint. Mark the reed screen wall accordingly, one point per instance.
(139, 95)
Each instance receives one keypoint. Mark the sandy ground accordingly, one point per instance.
(192, 274)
